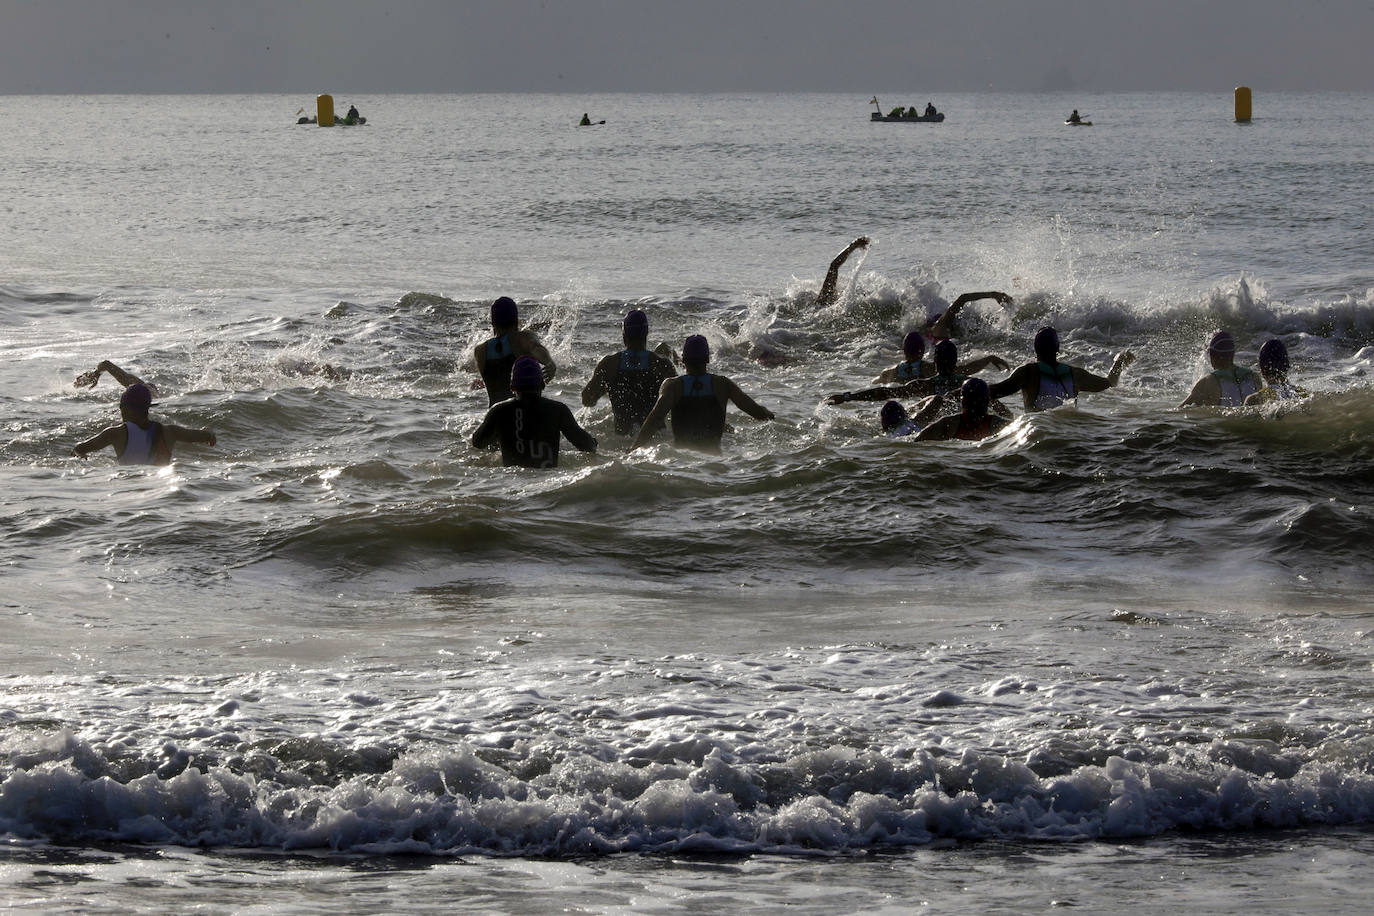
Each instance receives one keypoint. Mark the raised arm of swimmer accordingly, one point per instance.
(89, 378)
(827, 294)
(944, 325)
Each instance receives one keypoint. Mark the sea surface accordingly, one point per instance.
(1118, 657)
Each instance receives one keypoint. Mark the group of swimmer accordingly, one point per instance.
(647, 393)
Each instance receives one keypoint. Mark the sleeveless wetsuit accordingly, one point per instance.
(634, 390)
(1236, 385)
(496, 372)
(142, 446)
(974, 431)
(1056, 385)
(909, 371)
(529, 429)
(1283, 391)
(698, 419)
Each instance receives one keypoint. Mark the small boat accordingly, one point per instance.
(1079, 123)
(918, 119)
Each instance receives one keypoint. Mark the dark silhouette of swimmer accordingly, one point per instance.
(529, 427)
(922, 378)
(945, 324)
(138, 439)
(1227, 385)
(1274, 365)
(632, 377)
(695, 403)
(827, 295)
(1048, 383)
(496, 357)
(973, 421)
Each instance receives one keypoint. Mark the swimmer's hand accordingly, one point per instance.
(841, 398)
(1003, 298)
(87, 379)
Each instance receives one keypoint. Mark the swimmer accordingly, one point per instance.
(1273, 364)
(695, 403)
(1048, 383)
(138, 439)
(529, 427)
(497, 356)
(914, 367)
(827, 295)
(91, 377)
(1227, 385)
(944, 325)
(945, 378)
(631, 377)
(897, 423)
(973, 421)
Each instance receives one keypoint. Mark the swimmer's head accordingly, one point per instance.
(527, 375)
(136, 398)
(892, 415)
(914, 345)
(1221, 349)
(696, 349)
(636, 324)
(504, 313)
(973, 397)
(1273, 357)
(1047, 344)
(946, 357)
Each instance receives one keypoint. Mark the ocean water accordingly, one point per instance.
(1119, 656)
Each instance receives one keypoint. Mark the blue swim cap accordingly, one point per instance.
(1221, 342)
(527, 375)
(892, 415)
(1046, 344)
(136, 397)
(636, 323)
(1274, 356)
(914, 345)
(696, 349)
(974, 397)
(504, 313)
(946, 357)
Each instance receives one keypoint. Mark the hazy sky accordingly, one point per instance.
(861, 46)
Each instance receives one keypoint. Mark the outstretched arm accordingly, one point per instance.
(183, 434)
(575, 434)
(974, 366)
(1011, 384)
(914, 388)
(827, 293)
(746, 403)
(89, 378)
(105, 437)
(668, 394)
(944, 326)
(1087, 381)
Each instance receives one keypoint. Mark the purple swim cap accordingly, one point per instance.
(1046, 344)
(504, 313)
(973, 396)
(892, 415)
(914, 345)
(946, 356)
(1221, 342)
(696, 349)
(136, 397)
(527, 374)
(636, 323)
(1273, 356)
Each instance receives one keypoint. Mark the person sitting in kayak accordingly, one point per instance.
(1074, 118)
(352, 117)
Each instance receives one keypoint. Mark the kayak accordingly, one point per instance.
(1079, 123)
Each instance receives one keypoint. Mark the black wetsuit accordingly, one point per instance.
(698, 418)
(496, 372)
(635, 387)
(529, 428)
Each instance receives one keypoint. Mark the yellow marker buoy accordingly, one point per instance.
(1242, 104)
(324, 110)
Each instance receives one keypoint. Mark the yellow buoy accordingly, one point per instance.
(1242, 104)
(324, 108)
